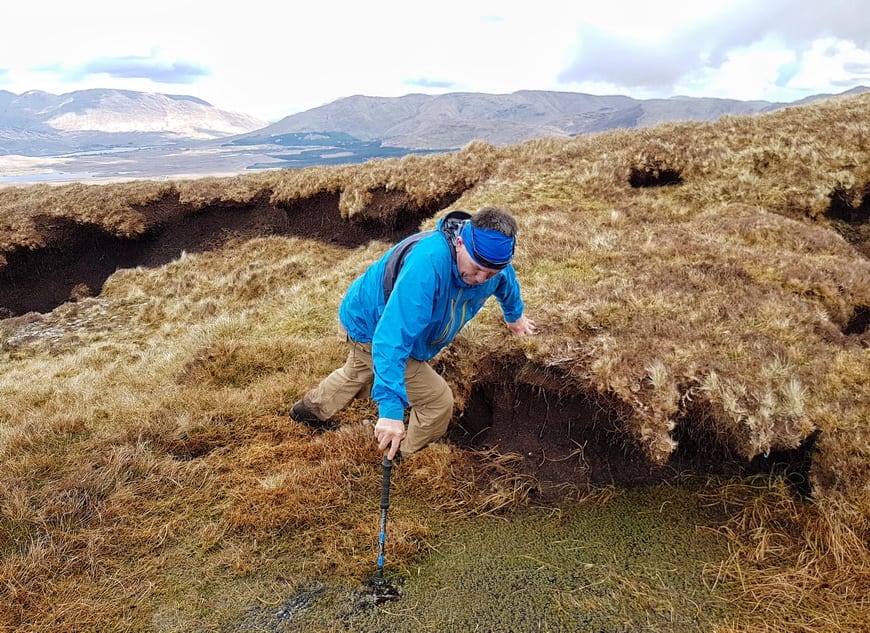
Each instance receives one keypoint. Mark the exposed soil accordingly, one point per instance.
(572, 438)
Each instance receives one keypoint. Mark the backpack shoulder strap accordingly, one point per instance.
(397, 258)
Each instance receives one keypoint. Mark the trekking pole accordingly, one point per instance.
(385, 505)
(381, 589)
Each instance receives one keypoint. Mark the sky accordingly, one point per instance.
(270, 59)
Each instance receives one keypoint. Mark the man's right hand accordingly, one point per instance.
(389, 433)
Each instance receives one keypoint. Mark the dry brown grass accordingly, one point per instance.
(145, 461)
(794, 566)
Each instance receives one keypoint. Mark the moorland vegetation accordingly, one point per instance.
(702, 289)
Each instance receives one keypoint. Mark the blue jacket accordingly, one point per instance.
(427, 307)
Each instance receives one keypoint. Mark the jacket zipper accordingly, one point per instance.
(449, 327)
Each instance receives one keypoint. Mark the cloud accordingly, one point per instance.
(684, 54)
(425, 82)
(793, 22)
(800, 24)
(627, 62)
(858, 68)
(175, 72)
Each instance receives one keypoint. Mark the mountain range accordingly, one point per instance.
(100, 121)
(451, 120)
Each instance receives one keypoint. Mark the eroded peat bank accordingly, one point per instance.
(562, 436)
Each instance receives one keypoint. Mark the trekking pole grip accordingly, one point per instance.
(385, 488)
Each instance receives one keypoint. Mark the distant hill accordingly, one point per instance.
(449, 121)
(42, 124)
(90, 128)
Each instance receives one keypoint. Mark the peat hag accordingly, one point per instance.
(77, 258)
(568, 437)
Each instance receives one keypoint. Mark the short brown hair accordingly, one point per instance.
(496, 219)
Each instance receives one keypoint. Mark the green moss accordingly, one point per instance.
(634, 564)
(16, 536)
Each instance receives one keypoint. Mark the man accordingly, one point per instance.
(403, 310)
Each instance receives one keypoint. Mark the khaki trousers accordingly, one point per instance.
(428, 394)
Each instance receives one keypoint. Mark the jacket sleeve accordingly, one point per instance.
(509, 296)
(406, 315)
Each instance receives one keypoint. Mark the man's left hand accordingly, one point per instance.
(523, 326)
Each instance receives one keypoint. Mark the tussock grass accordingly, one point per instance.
(698, 278)
(792, 565)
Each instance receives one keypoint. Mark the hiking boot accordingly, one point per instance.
(300, 413)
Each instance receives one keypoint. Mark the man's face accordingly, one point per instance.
(469, 270)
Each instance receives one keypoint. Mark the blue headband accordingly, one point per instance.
(488, 248)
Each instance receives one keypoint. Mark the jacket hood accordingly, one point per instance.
(451, 225)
